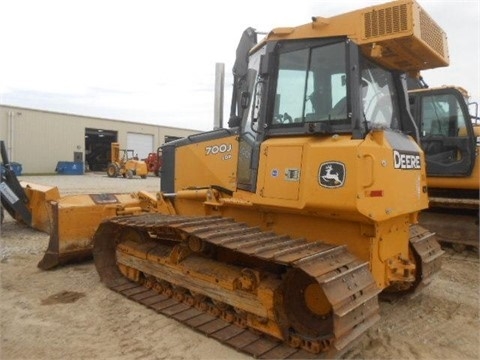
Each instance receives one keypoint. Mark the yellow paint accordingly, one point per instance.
(399, 35)
(370, 212)
(221, 156)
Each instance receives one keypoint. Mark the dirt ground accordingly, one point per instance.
(68, 314)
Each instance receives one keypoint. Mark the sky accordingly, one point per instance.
(154, 62)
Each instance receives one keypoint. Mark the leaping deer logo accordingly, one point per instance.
(331, 174)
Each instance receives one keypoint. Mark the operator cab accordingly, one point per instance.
(315, 87)
(312, 91)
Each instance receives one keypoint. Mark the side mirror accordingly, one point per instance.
(266, 65)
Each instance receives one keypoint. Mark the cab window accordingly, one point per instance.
(311, 85)
(442, 116)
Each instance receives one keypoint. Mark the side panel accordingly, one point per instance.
(282, 178)
(367, 180)
(208, 163)
(395, 165)
(200, 160)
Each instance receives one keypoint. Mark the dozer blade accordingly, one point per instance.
(39, 197)
(74, 219)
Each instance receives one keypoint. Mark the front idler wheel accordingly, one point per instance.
(306, 308)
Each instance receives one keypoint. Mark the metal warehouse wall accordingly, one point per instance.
(38, 139)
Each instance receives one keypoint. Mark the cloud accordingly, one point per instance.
(156, 60)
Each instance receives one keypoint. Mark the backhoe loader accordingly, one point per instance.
(284, 228)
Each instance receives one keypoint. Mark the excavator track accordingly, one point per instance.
(178, 266)
(455, 228)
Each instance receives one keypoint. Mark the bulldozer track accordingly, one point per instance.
(428, 252)
(244, 340)
(344, 279)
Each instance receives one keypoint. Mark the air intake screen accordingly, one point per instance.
(431, 33)
(386, 21)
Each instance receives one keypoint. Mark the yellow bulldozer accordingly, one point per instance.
(124, 162)
(281, 233)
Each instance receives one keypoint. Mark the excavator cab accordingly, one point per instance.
(446, 131)
(448, 136)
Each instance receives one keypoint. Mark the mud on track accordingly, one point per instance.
(68, 313)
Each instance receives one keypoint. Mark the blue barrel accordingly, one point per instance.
(69, 168)
(15, 167)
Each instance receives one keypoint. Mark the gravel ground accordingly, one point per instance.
(68, 313)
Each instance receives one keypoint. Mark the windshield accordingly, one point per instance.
(313, 86)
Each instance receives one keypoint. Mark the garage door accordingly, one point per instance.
(142, 144)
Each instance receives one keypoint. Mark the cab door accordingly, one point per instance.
(251, 132)
(446, 132)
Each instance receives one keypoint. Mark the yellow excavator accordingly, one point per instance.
(448, 137)
(282, 231)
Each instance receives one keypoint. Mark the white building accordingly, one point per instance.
(39, 139)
